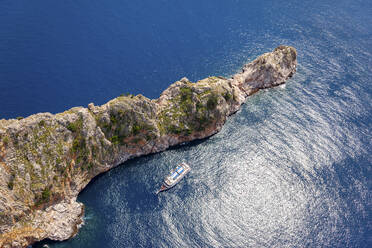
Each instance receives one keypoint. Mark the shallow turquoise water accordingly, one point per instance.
(291, 169)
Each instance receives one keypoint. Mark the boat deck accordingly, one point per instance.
(175, 176)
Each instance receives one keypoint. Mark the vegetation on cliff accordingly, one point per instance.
(46, 160)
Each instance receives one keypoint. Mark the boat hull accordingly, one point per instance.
(165, 186)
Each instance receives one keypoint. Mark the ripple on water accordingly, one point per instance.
(291, 169)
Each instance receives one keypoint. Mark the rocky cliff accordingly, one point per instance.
(46, 159)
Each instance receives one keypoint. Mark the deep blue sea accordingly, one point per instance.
(293, 168)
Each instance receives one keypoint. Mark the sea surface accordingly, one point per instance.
(291, 169)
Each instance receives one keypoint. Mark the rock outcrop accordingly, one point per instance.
(46, 159)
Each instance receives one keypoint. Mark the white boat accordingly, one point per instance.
(175, 176)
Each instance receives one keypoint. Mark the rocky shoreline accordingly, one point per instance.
(46, 159)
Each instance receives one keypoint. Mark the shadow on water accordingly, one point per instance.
(133, 162)
(45, 243)
(291, 169)
(136, 194)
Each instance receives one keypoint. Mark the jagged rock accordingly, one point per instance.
(91, 106)
(184, 80)
(46, 160)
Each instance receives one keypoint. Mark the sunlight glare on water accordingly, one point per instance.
(291, 169)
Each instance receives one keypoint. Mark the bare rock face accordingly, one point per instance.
(268, 70)
(62, 219)
(46, 160)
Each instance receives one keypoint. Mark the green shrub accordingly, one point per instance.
(227, 96)
(75, 126)
(175, 129)
(148, 137)
(115, 139)
(126, 94)
(136, 129)
(75, 145)
(186, 103)
(72, 127)
(186, 93)
(45, 195)
(212, 102)
(10, 184)
(19, 117)
(78, 144)
(202, 122)
(11, 181)
(188, 132)
(113, 119)
(199, 105)
(42, 123)
(6, 140)
(106, 126)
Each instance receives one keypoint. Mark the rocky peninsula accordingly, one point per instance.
(46, 159)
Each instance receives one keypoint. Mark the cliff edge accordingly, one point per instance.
(46, 159)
